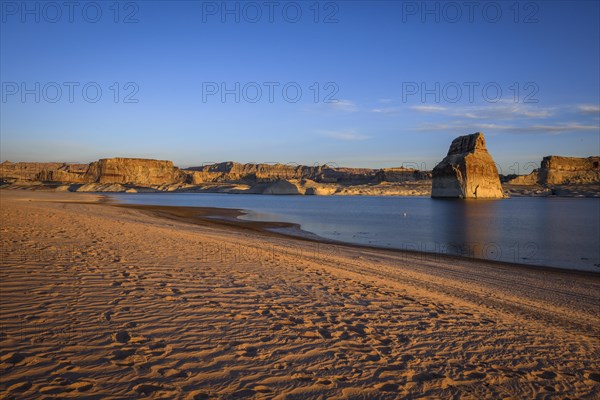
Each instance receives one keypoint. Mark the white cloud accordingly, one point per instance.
(491, 111)
(389, 110)
(428, 108)
(589, 109)
(559, 128)
(345, 135)
(463, 126)
(343, 105)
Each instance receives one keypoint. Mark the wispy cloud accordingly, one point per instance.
(388, 110)
(557, 128)
(350, 136)
(429, 108)
(343, 105)
(588, 109)
(491, 111)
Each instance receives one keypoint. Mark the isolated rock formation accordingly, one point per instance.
(557, 170)
(468, 171)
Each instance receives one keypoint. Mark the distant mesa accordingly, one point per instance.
(467, 172)
(138, 171)
(557, 170)
(138, 174)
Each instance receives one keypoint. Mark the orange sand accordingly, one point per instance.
(108, 302)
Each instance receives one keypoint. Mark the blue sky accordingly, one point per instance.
(382, 83)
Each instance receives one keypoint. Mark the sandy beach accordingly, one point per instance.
(109, 302)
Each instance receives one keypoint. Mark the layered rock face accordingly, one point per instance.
(402, 175)
(468, 171)
(145, 172)
(231, 172)
(135, 171)
(34, 171)
(557, 170)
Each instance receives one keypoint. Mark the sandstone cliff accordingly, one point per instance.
(134, 171)
(35, 171)
(232, 171)
(468, 171)
(557, 170)
(135, 175)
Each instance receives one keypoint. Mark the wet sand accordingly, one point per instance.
(110, 301)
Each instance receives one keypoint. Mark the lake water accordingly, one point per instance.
(556, 232)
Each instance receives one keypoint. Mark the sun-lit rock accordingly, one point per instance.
(468, 171)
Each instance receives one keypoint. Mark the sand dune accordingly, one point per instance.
(108, 302)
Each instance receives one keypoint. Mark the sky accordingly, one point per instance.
(349, 83)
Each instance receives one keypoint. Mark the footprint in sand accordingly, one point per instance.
(387, 387)
(107, 315)
(247, 351)
(359, 329)
(171, 373)
(158, 348)
(325, 334)
(594, 376)
(198, 396)
(267, 338)
(120, 355)
(547, 375)
(341, 335)
(426, 376)
(476, 375)
(122, 337)
(147, 388)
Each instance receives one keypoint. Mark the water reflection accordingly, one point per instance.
(467, 228)
(540, 231)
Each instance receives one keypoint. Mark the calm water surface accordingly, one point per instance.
(557, 232)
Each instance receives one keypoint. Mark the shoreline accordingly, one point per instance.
(391, 189)
(117, 302)
(228, 217)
